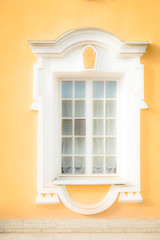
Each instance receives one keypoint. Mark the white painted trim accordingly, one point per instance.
(143, 105)
(115, 59)
(35, 106)
(130, 197)
(101, 206)
(89, 180)
(47, 199)
(79, 37)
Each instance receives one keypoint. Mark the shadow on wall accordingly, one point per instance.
(149, 146)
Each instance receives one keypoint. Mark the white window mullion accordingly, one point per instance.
(104, 124)
(60, 132)
(73, 117)
(88, 127)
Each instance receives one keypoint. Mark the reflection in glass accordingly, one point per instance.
(67, 89)
(98, 127)
(110, 146)
(97, 108)
(66, 127)
(66, 145)
(97, 145)
(67, 108)
(110, 108)
(111, 89)
(79, 145)
(79, 108)
(79, 165)
(110, 127)
(98, 165)
(66, 165)
(110, 163)
(80, 89)
(98, 91)
(80, 127)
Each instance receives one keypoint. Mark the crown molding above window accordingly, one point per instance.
(79, 37)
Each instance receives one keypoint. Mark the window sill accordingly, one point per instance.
(89, 180)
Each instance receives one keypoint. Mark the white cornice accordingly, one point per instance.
(75, 38)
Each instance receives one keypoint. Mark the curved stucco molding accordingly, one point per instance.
(79, 37)
(87, 209)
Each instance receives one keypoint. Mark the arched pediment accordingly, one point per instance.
(88, 36)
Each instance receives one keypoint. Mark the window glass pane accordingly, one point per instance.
(67, 108)
(97, 108)
(80, 127)
(110, 145)
(98, 165)
(74, 123)
(110, 163)
(67, 165)
(67, 145)
(66, 89)
(79, 108)
(110, 127)
(79, 165)
(97, 145)
(98, 127)
(79, 145)
(111, 89)
(80, 89)
(98, 89)
(66, 127)
(110, 108)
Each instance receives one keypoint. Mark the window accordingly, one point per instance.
(88, 141)
(88, 127)
(88, 90)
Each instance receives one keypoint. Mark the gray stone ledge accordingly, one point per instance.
(79, 225)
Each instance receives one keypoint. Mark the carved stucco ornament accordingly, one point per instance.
(89, 57)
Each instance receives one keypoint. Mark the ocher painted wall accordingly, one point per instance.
(22, 20)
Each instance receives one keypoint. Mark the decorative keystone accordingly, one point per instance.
(89, 57)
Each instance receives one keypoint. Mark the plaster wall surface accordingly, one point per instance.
(46, 20)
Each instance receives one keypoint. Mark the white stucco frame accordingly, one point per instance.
(63, 59)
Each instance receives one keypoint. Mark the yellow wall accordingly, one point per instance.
(22, 20)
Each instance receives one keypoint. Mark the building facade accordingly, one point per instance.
(22, 22)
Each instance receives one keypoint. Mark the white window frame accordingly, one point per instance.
(89, 128)
(62, 59)
(120, 177)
